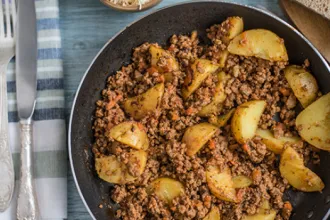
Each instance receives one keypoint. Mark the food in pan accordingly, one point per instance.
(303, 84)
(313, 123)
(259, 43)
(292, 168)
(196, 131)
(245, 120)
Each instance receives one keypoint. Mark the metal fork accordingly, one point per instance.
(7, 51)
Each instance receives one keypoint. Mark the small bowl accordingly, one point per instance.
(131, 8)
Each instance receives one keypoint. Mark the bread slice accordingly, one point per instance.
(321, 7)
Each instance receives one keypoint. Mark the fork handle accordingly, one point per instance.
(7, 179)
(27, 205)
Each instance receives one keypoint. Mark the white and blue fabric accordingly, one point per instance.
(50, 156)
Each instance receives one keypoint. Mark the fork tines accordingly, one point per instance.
(7, 18)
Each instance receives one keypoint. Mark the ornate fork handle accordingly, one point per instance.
(27, 206)
(7, 180)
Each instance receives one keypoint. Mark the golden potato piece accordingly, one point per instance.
(138, 159)
(113, 171)
(143, 104)
(215, 106)
(313, 123)
(221, 184)
(245, 120)
(259, 43)
(242, 181)
(166, 189)
(292, 168)
(196, 136)
(162, 60)
(235, 27)
(302, 83)
(214, 214)
(264, 213)
(130, 133)
(221, 120)
(223, 58)
(195, 76)
(273, 144)
(110, 169)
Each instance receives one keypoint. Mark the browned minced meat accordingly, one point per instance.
(252, 79)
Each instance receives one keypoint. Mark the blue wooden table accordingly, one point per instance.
(86, 26)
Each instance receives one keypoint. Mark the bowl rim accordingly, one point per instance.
(131, 8)
(261, 10)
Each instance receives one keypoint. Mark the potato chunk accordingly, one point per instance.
(166, 189)
(196, 74)
(196, 136)
(215, 106)
(273, 144)
(113, 171)
(292, 168)
(302, 83)
(130, 133)
(245, 120)
(264, 213)
(221, 184)
(214, 214)
(138, 160)
(162, 60)
(110, 169)
(143, 104)
(223, 58)
(241, 181)
(313, 123)
(259, 43)
(221, 120)
(235, 27)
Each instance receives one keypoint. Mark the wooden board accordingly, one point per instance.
(315, 27)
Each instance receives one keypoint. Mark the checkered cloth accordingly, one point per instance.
(50, 158)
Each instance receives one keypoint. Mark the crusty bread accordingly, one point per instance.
(322, 7)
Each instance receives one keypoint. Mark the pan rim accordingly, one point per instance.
(261, 10)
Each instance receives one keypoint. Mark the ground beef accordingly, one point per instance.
(255, 149)
(252, 79)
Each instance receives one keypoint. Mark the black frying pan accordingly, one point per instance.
(158, 27)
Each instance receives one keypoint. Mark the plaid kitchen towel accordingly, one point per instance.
(50, 159)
